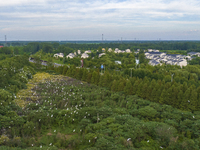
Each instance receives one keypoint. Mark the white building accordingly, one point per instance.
(87, 52)
(84, 55)
(58, 55)
(188, 57)
(79, 52)
(110, 50)
(182, 63)
(117, 51)
(151, 55)
(152, 50)
(171, 59)
(156, 50)
(194, 53)
(128, 51)
(102, 54)
(71, 55)
(136, 52)
(149, 50)
(118, 62)
(154, 62)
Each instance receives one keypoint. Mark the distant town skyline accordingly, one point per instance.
(64, 20)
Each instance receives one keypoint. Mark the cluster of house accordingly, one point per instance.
(85, 54)
(72, 55)
(121, 51)
(157, 58)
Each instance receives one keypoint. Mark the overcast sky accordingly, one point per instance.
(89, 19)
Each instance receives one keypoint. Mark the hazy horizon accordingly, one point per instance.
(63, 20)
(100, 41)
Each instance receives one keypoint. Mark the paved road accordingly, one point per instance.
(45, 64)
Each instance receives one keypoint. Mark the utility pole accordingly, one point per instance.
(5, 40)
(102, 38)
(172, 77)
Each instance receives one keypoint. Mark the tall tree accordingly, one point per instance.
(114, 86)
(79, 74)
(101, 80)
(128, 88)
(89, 77)
(174, 96)
(50, 63)
(95, 78)
(149, 91)
(37, 61)
(179, 99)
(158, 94)
(139, 89)
(186, 100)
(163, 96)
(135, 86)
(193, 99)
(142, 57)
(65, 70)
(198, 98)
(153, 94)
(144, 90)
(84, 76)
(184, 87)
(121, 85)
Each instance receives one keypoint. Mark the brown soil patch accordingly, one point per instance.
(49, 134)
(68, 136)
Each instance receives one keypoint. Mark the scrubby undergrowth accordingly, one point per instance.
(59, 112)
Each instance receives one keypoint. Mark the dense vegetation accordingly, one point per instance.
(126, 106)
(14, 73)
(75, 115)
(152, 83)
(195, 61)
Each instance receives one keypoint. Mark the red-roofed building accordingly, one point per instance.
(1, 46)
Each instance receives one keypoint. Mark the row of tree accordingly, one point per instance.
(184, 96)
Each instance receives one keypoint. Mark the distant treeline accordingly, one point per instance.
(48, 47)
(64, 47)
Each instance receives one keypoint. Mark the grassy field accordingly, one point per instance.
(184, 52)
